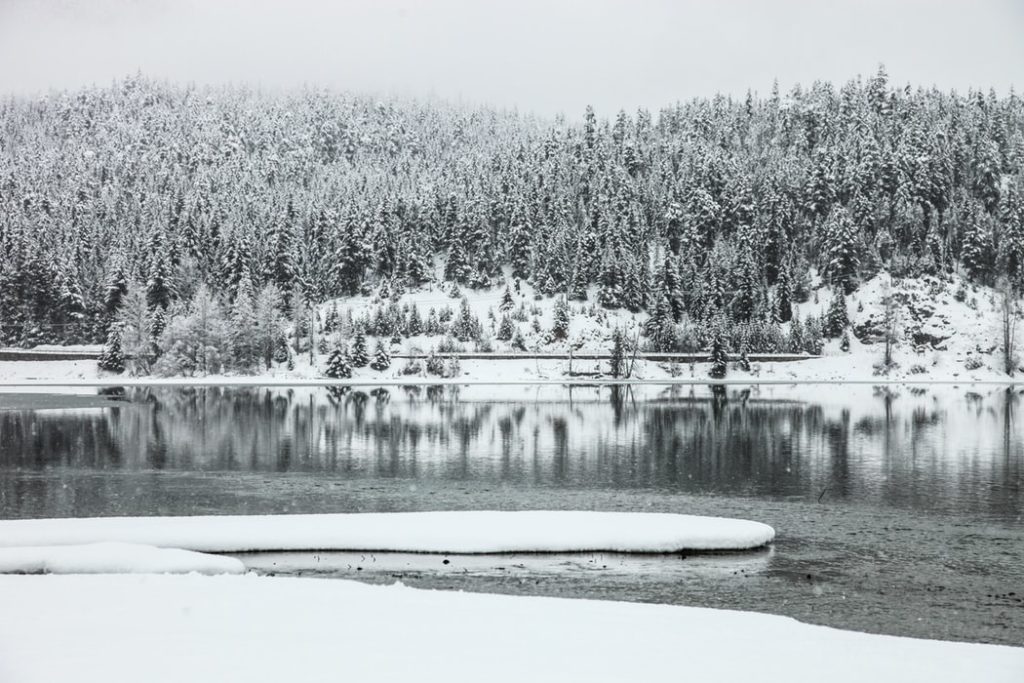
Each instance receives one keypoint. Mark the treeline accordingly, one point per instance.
(711, 213)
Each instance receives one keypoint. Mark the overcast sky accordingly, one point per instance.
(545, 56)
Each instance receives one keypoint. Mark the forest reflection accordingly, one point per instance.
(966, 454)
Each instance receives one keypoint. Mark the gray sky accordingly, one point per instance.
(546, 56)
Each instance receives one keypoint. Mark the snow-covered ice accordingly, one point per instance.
(113, 558)
(114, 629)
(436, 532)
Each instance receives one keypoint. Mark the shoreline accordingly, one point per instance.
(420, 381)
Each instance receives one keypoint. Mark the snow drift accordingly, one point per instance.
(429, 532)
(113, 558)
(246, 628)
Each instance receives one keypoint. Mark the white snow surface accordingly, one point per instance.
(433, 532)
(113, 629)
(113, 558)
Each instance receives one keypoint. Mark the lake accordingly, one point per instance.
(898, 509)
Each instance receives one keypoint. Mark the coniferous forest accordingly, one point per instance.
(135, 203)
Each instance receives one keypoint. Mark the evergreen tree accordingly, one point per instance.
(518, 341)
(135, 325)
(842, 260)
(359, 352)
(813, 338)
(506, 329)
(837, 318)
(977, 249)
(245, 350)
(617, 362)
(718, 355)
(797, 335)
(466, 327)
(415, 326)
(268, 323)
(381, 358)
(507, 302)
(339, 365)
(112, 359)
(117, 287)
(560, 328)
(783, 295)
(158, 286)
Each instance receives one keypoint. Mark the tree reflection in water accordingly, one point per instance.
(961, 454)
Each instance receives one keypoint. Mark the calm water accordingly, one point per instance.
(875, 493)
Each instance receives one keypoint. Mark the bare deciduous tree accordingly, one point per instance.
(1008, 315)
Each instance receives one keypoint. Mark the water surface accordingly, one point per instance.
(898, 511)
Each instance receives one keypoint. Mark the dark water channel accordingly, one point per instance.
(898, 510)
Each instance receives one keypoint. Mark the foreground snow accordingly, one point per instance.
(191, 628)
(436, 532)
(113, 558)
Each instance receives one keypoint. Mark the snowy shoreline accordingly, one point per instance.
(55, 374)
(255, 629)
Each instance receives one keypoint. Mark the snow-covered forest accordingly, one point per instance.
(139, 208)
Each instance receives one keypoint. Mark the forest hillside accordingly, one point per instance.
(129, 212)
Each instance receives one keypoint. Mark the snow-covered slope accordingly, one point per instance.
(949, 330)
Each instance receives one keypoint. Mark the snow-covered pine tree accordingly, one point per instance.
(976, 250)
(245, 351)
(718, 354)
(279, 266)
(466, 327)
(135, 323)
(560, 327)
(381, 357)
(507, 302)
(506, 329)
(333, 319)
(117, 287)
(339, 365)
(837, 318)
(797, 336)
(158, 284)
(783, 294)
(267, 323)
(112, 359)
(617, 362)
(414, 326)
(359, 355)
(520, 242)
(813, 339)
(518, 341)
(841, 252)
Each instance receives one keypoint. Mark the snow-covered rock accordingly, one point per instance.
(438, 532)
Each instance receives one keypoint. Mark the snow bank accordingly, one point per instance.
(112, 558)
(254, 629)
(435, 532)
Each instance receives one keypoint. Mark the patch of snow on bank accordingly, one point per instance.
(256, 629)
(113, 558)
(433, 532)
